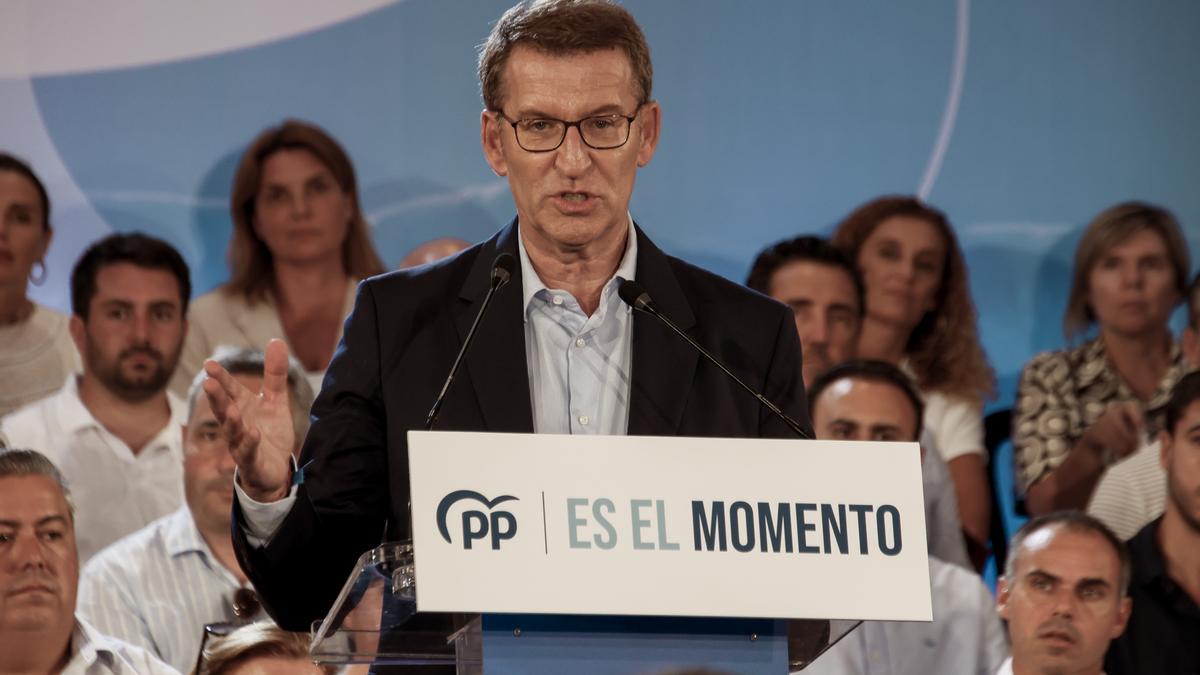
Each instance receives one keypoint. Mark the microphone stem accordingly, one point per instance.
(437, 404)
(791, 423)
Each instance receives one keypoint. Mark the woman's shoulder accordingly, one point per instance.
(1061, 362)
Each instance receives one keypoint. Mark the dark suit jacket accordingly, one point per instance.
(398, 346)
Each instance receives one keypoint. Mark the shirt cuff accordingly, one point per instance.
(263, 519)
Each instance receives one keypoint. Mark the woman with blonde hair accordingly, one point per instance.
(1081, 409)
(36, 351)
(919, 315)
(300, 245)
(259, 649)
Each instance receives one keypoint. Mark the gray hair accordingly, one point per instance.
(252, 362)
(17, 462)
(1073, 521)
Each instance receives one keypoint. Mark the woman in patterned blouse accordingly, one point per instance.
(1079, 410)
(919, 315)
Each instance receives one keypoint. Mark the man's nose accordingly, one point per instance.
(1065, 604)
(573, 157)
(816, 330)
(28, 552)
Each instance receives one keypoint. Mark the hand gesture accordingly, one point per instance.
(258, 426)
(1118, 430)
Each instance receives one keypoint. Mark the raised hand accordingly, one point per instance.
(257, 426)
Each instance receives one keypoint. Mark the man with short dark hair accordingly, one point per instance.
(1164, 633)
(1133, 492)
(875, 401)
(825, 292)
(158, 587)
(114, 429)
(569, 120)
(39, 572)
(1063, 594)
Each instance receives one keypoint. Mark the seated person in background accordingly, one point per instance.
(1079, 410)
(1164, 632)
(433, 251)
(825, 294)
(874, 401)
(39, 570)
(1133, 492)
(159, 586)
(36, 352)
(1063, 594)
(919, 316)
(258, 649)
(114, 430)
(300, 245)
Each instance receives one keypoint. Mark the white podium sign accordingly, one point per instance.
(658, 526)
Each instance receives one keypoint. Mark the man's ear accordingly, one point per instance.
(1002, 596)
(78, 333)
(1123, 612)
(493, 144)
(649, 124)
(1190, 346)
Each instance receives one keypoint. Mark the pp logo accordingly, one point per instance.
(476, 525)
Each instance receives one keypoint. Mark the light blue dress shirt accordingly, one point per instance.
(579, 365)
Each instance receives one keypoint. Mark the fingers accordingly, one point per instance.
(275, 371)
(243, 441)
(218, 400)
(234, 390)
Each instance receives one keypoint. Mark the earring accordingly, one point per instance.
(37, 278)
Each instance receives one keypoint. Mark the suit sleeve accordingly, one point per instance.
(785, 382)
(341, 504)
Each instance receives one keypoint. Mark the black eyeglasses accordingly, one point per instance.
(544, 134)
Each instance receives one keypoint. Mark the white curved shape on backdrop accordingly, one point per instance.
(81, 37)
(958, 72)
(478, 192)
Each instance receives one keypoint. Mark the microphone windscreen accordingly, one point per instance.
(634, 295)
(502, 269)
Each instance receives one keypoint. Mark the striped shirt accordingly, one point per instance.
(157, 588)
(1132, 493)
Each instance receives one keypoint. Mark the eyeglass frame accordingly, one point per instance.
(246, 604)
(567, 127)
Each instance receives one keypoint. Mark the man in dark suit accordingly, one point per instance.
(569, 120)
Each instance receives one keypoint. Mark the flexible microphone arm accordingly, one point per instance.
(636, 297)
(502, 270)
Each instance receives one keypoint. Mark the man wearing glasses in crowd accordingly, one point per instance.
(569, 120)
(160, 586)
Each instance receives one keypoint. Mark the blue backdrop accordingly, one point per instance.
(1021, 119)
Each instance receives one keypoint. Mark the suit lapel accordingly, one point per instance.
(495, 363)
(663, 366)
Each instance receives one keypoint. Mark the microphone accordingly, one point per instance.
(502, 271)
(636, 297)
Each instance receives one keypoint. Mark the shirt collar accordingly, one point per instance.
(180, 534)
(90, 645)
(74, 416)
(531, 283)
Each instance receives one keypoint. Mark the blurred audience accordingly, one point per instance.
(824, 291)
(300, 245)
(158, 587)
(1064, 594)
(260, 649)
(1133, 492)
(36, 352)
(433, 251)
(114, 430)
(919, 315)
(874, 401)
(39, 571)
(1079, 410)
(1164, 632)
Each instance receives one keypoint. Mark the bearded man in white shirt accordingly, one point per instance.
(114, 430)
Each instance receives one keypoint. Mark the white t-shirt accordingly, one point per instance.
(1132, 492)
(956, 425)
